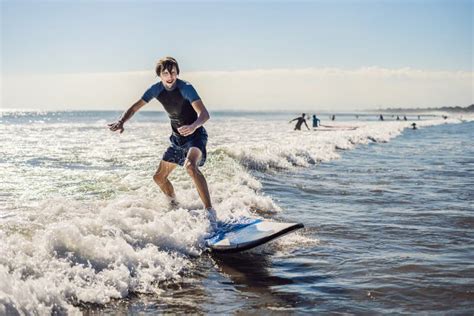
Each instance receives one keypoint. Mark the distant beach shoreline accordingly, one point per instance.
(449, 109)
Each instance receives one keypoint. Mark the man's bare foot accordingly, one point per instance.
(172, 204)
(212, 217)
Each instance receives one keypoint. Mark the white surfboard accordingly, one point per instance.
(334, 129)
(248, 234)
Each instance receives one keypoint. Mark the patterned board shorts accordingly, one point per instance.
(180, 145)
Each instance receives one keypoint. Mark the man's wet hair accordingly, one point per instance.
(166, 63)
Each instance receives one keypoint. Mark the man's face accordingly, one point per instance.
(169, 78)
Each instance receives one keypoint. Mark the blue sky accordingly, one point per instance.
(68, 37)
(89, 36)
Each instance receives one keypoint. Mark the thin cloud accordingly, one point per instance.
(255, 89)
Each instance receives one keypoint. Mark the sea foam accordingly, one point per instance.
(83, 222)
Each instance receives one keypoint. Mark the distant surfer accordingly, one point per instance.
(187, 114)
(414, 125)
(381, 117)
(300, 120)
(316, 121)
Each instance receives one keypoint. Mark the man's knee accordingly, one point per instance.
(160, 177)
(191, 168)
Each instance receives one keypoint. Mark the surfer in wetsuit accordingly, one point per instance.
(187, 114)
(316, 121)
(300, 120)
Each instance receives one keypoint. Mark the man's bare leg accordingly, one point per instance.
(191, 165)
(161, 178)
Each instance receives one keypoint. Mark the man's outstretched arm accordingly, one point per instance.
(118, 126)
(306, 124)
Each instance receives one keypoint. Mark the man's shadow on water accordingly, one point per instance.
(249, 273)
(249, 270)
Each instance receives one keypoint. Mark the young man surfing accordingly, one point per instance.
(187, 114)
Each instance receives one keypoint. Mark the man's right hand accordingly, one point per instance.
(117, 126)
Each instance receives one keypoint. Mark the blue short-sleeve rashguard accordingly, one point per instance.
(176, 102)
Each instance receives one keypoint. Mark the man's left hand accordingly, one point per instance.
(186, 130)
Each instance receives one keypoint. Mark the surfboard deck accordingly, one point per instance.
(335, 129)
(247, 233)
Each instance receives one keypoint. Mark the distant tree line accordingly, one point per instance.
(457, 109)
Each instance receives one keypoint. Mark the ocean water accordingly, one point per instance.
(388, 213)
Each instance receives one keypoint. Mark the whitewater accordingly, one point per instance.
(82, 222)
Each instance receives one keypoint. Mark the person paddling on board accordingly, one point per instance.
(300, 122)
(187, 114)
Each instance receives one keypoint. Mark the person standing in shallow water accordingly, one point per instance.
(316, 121)
(300, 120)
(187, 114)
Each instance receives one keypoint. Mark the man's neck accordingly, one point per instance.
(172, 87)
